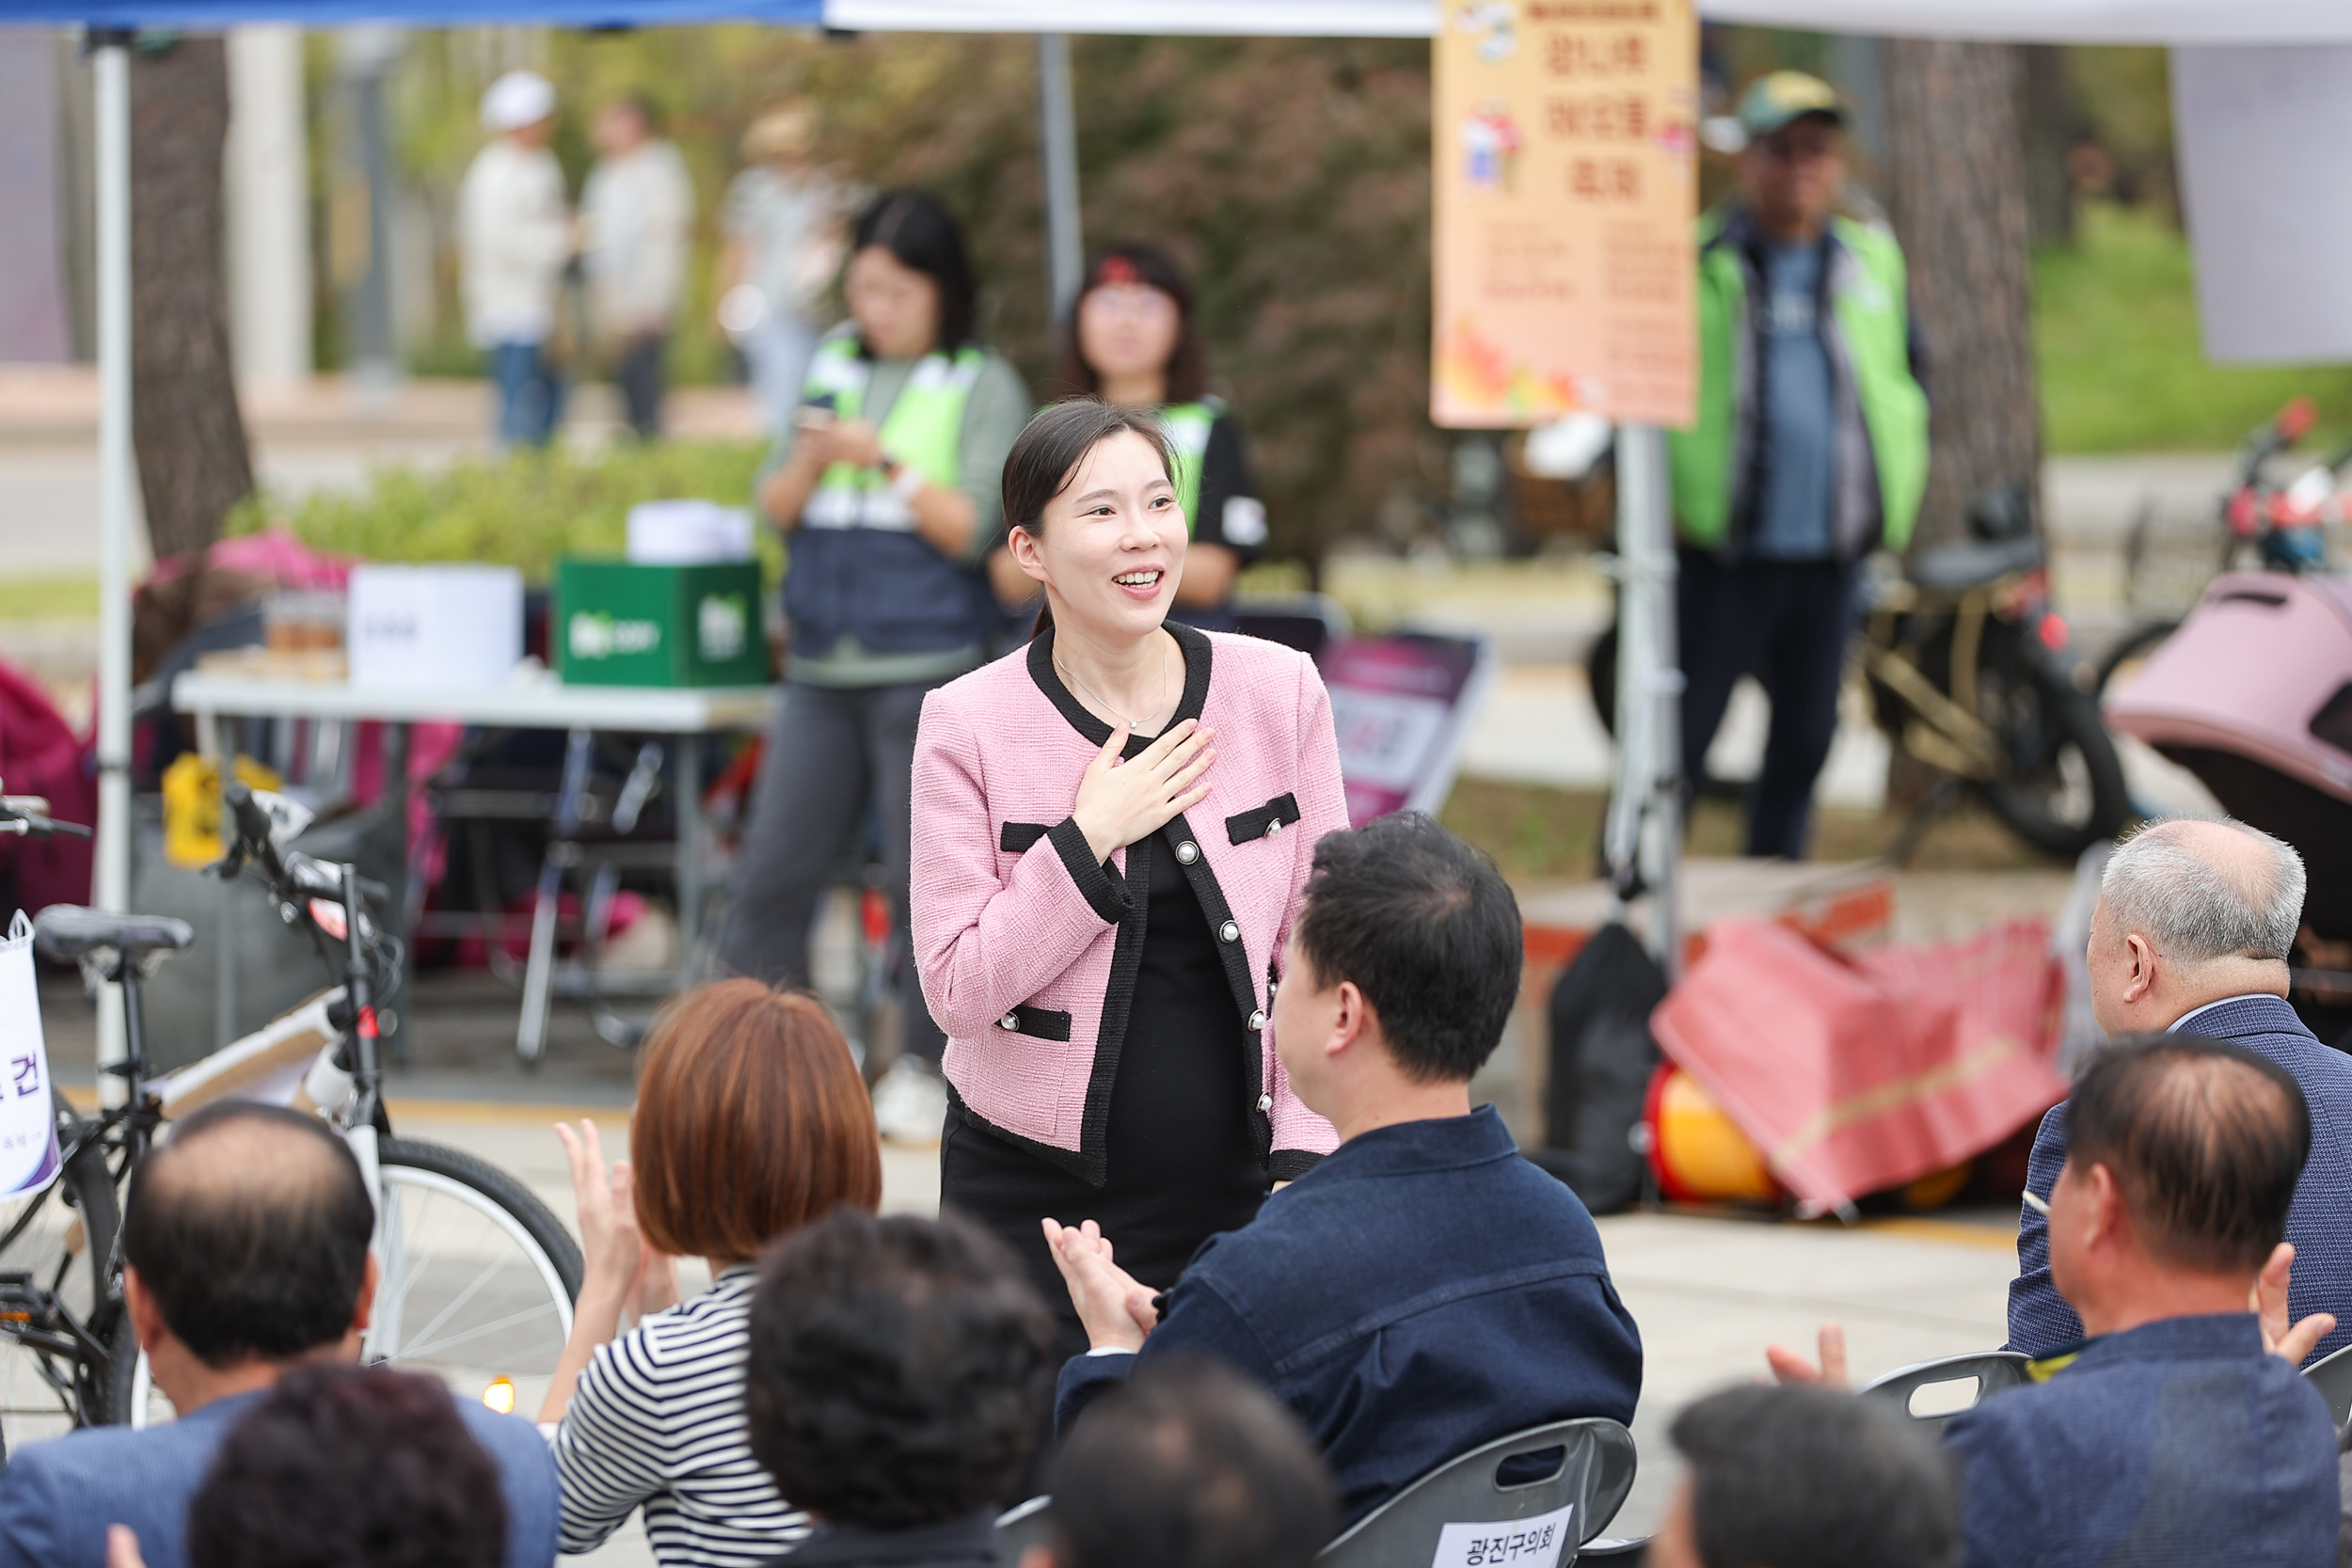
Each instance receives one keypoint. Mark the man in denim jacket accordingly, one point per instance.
(1423, 1289)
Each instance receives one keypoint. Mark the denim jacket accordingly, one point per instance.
(1421, 1292)
(2181, 1441)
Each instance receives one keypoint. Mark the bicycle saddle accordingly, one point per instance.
(64, 931)
(1973, 563)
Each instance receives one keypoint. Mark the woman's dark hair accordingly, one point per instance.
(1138, 261)
(922, 235)
(1190, 1465)
(1427, 929)
(751, 1121)
(1816, 1477)
(350, 1468)
(899, 1367)
(2206, 1142)
(1048, 451)
(249, 1228)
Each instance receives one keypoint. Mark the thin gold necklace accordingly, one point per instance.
(1135, 724)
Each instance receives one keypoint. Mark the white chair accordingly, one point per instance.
(1591, 1472)
(1933, 1392)
(2332, 1375)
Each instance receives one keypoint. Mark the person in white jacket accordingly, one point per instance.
(636, 213)
(514, 233)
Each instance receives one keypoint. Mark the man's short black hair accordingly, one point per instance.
(350, 1468)
(250, 1226)
(1427, 929)
(1190, 1465)
(1813, 1478)
(2206, 1141)
(899, 1368)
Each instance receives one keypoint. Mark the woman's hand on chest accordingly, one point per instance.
(1119, 802)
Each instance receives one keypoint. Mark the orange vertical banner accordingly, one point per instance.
(1566, 145)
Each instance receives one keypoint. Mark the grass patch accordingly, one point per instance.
(2122, 364)
(57, 598)
(1537, 833)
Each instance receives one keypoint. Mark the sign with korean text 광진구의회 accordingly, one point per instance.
(1566, 140)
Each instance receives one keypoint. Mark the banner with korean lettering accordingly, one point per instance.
(1565, 135)
(28, 1121)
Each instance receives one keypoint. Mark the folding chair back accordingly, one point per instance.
(2332, 1375)
(1933, 1392)
(1582, 1471)
(1021, 1526)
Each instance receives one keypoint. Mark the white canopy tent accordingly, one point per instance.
(1647, 766)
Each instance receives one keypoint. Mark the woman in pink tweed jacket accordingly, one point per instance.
(1111, 828)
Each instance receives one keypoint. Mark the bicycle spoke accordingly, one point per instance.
(407, 1251)
(463, 1296)
(419, 1352)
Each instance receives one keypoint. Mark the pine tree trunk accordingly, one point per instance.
(189, 434)
(1957, 148)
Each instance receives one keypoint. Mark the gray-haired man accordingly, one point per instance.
(2194, 923)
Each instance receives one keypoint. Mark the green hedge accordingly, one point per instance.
(526, 510)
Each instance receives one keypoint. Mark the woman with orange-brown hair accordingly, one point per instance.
(751, 1121)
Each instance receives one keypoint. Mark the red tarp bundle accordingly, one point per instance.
(1853, 1074)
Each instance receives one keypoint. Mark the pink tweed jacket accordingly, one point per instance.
(1028, 947)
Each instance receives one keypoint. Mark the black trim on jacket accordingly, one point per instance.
(1124, 901)
(1243, 827)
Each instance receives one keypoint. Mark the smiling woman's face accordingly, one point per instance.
(1111, 548)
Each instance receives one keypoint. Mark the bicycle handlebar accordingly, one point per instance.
(27, 816)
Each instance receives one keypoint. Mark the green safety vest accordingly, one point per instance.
(1869, 310)
(924, 430)
(1188, 425)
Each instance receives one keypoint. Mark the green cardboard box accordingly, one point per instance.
(619, 624)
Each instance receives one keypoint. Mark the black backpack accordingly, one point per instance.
(1601, 1060)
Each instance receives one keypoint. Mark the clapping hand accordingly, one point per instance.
(618, 1263)
(2268, 1302)
(1119, 802)
(1117, 1311)
(1790, 1366)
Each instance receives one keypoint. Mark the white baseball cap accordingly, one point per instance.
(518, 98)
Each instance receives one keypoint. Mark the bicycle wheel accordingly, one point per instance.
(54, 1246)
(2064, 790)
(478, 1276)
(476, 1285)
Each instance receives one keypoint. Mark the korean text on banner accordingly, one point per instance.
(28, 1125)
(1566, 140)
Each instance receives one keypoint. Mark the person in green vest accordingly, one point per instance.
(1810, 449)
(887, 488)
(1130, 340)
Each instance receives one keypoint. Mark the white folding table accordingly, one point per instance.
(532, 702)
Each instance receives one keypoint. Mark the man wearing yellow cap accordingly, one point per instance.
(1810, 448)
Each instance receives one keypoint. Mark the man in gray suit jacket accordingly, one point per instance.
(2191, 936)
(245, 1249)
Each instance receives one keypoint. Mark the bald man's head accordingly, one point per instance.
(250, 1226)
(2201, 889)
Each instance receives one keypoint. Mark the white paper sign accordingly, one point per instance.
(28, 1127)
(1534, 1543)
(2268, 193)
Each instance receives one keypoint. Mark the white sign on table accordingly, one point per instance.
(1532, 1542)
(28, 1127)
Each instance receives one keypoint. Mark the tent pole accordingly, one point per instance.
(112, 103)
(1644, 832)
(1064, 247)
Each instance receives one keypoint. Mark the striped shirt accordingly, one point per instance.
(657, 1421)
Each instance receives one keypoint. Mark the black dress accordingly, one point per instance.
(1183, 1163)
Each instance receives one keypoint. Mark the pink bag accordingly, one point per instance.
(1856, 1074)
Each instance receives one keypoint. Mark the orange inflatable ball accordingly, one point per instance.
(1697, 1153)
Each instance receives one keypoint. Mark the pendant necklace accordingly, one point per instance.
(1133, 725)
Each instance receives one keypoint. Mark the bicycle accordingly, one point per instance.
(464, 1249)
